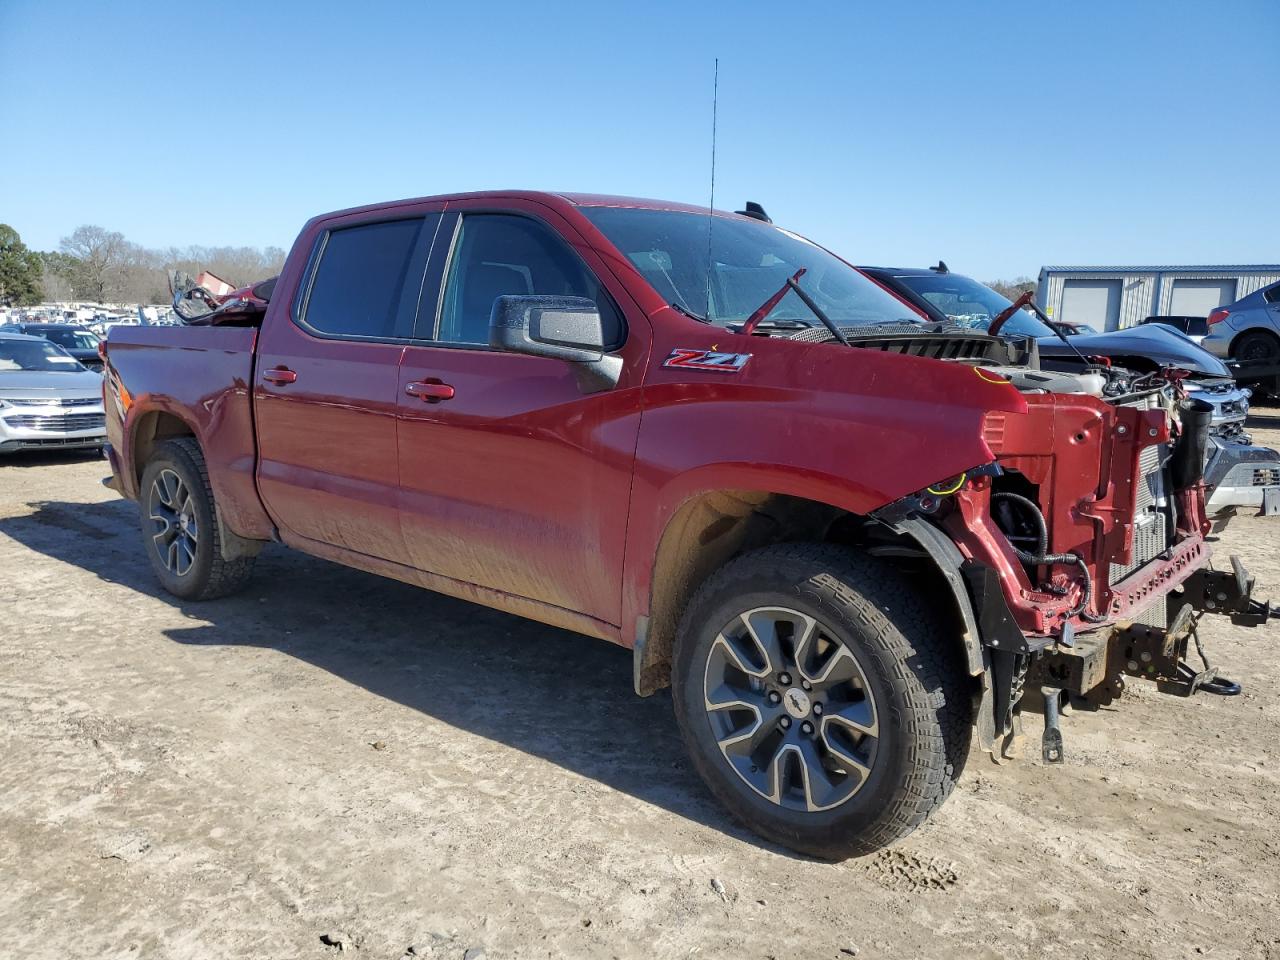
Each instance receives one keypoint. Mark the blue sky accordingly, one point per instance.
(997, 136)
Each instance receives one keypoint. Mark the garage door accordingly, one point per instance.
(1095, 302)
(1199, 298)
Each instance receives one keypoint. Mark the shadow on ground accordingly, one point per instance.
(553, 694)
(1269, 421)
(51, 458)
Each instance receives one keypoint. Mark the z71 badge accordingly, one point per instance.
(685, 357)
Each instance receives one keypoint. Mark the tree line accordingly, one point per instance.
(1012, 289)
(100, 265)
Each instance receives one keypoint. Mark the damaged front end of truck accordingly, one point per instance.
(1078, 552)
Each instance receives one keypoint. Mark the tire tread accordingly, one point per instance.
(923, 666)
(225, 576)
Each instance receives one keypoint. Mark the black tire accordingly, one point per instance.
(911, 666)
(188, 565)
(1256, 345)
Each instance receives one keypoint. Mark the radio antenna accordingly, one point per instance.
(711, 207)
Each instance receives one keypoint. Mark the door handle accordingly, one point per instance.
(430, 390)
(280, 375)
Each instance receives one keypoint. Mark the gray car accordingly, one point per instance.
(1248, 329)
(48, 400)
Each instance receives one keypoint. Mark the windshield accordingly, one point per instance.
(72, 339)
(970, 304)
(749, 262)
(1191, 326)
(35, 355)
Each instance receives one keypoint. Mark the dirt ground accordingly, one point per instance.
(332, 755)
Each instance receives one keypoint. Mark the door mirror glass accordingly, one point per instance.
(567, 328)
(561, 328)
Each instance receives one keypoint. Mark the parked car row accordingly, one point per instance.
(78, 341)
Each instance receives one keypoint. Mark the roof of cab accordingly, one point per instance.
(906, 271)
(553, 199)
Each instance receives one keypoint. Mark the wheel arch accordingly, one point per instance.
(150, 428)
(1256, 330)
(153, 427)
(711, 527)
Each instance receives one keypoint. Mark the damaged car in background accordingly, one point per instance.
(1241, 477)
(853, 542)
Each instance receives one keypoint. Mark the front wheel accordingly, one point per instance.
(821, 699)
(180, 527)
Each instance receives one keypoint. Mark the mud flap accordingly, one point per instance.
(1007, 655)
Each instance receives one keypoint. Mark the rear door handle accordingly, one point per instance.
(279, 375)
(432, 390)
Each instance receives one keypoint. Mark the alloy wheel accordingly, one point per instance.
(1258, 348)
(790, 709)
(176, 535)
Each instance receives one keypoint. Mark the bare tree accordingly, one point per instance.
(98, 264)
(56, 285)
(98, 256)
(236, 265)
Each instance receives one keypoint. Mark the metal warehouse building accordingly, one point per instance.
(1108, 298)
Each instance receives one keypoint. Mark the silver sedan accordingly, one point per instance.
(1248, 329)
(48, 400)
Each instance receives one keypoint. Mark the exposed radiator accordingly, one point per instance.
(1151, 485)
(1151, 529)
(1150, 539)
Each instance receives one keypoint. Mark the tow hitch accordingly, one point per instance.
(1051, 742)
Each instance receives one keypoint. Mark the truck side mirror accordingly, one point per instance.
(561, 328)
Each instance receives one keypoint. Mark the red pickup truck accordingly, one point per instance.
(850, 540)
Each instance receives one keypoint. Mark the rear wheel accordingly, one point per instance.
(1257, 345)
(180, 528)
(820, 699)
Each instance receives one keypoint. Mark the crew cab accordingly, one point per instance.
(848, 541)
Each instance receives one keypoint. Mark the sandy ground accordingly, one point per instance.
(332, 755)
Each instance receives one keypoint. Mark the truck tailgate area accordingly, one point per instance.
(198, 380)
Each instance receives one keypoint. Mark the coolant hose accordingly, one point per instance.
(1041, 558)
(1186, 467)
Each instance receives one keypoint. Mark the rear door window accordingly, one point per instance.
(366, 282)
